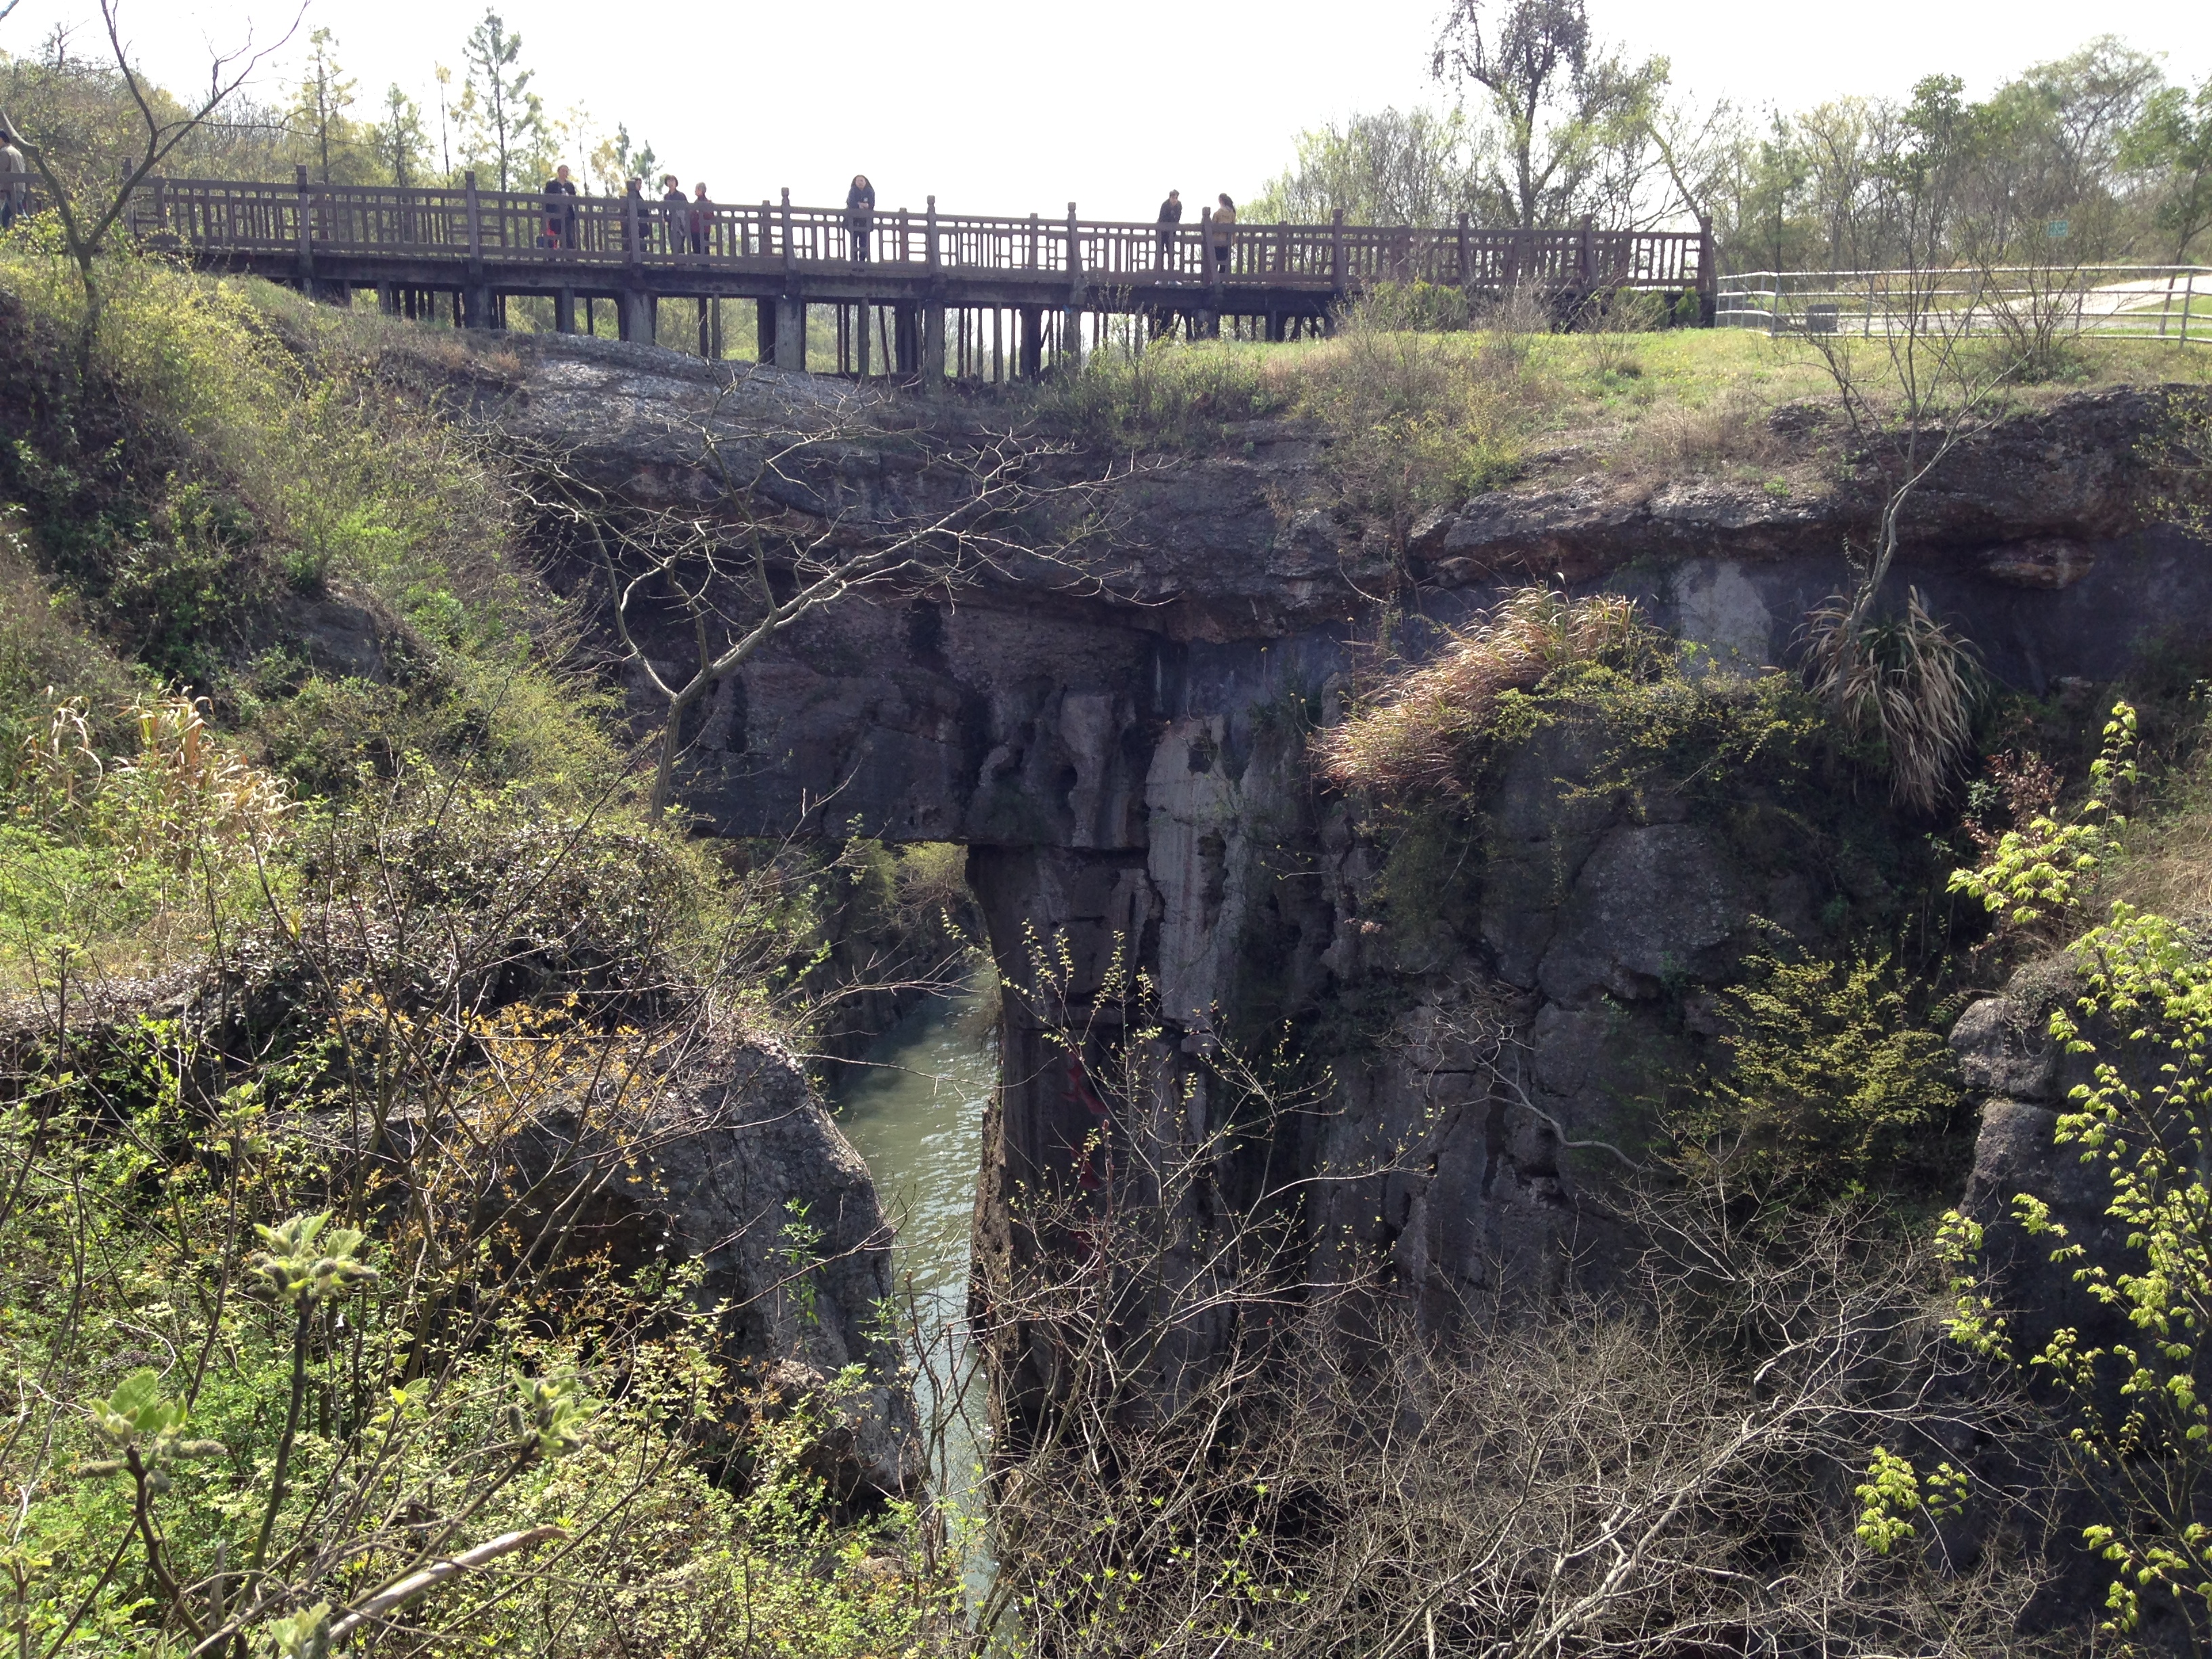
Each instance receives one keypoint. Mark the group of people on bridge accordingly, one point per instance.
(677, 223)
(1219, 228)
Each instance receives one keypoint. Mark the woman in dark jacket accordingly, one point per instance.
(676, 214)
(702, 220)
(860, 215)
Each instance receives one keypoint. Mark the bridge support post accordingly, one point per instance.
(906, 339)
(764, 331)
(1709, 274)
(477, 306)
(637, 316)
(387, 298)
(1031, 365)
(933, 346)
(306, 228)
(1071, 322)
(564, 310)
(791, 334)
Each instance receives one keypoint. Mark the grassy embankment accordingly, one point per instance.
(286, 716)
(1422, 420)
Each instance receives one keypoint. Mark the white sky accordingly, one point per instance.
(1014, 106)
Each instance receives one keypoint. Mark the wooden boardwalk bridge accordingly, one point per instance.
(912, 291)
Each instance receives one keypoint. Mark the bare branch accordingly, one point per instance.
(406, 1590)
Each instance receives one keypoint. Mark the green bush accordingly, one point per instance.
(1177, 395)
(1832, 1088)
(260, 1415)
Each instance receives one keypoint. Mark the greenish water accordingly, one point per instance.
(914, 1111)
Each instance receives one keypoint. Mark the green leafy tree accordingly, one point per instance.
(1418, 167)
(2036, 877)
(507, 117)
(2138, 1429)
(1559, 101)
(2173, 142)
(399, 139)
(2139, 1433)
(320, 101)
(615, 159)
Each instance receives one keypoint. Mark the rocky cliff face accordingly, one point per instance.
(1125, 759)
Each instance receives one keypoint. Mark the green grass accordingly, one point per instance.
(1642, 406)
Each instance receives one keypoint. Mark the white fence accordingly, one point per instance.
(2173, 303)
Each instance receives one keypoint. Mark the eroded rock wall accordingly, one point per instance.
(1124, 757)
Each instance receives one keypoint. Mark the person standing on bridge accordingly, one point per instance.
(1170, 218)
(676, 213)
(702, 220)
(1223, 234)
(860, 215)
(561, 209)
(15, 180)
(637, 225)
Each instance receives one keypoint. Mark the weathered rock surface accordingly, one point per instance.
(2022, 1076)
(1124, 759)
(2068, 475)
(731, 1161)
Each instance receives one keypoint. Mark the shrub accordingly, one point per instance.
(1731, 428)
(236, 447)
(135, 858)
(1831, 1087)
(1176, 396)
(2126, 1360)
(271, 1418)
(1417, 420)
(1908, 681)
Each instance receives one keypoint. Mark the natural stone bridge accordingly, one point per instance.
(1120, 765)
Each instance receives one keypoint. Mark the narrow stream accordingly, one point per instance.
(914, 1111)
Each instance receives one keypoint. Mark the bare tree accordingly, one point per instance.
(88, 222)
(774, 538)
(1205, 1440)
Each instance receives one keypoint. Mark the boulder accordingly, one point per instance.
(727, 1158)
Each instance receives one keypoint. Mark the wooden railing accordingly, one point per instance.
(210, 218)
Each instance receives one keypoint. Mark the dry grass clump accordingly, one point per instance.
(1691, 438)
(1415, 737)
(1908, 680)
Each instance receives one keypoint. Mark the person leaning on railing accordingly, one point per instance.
(1221, 233)
(15, 180)
(1170, 216)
